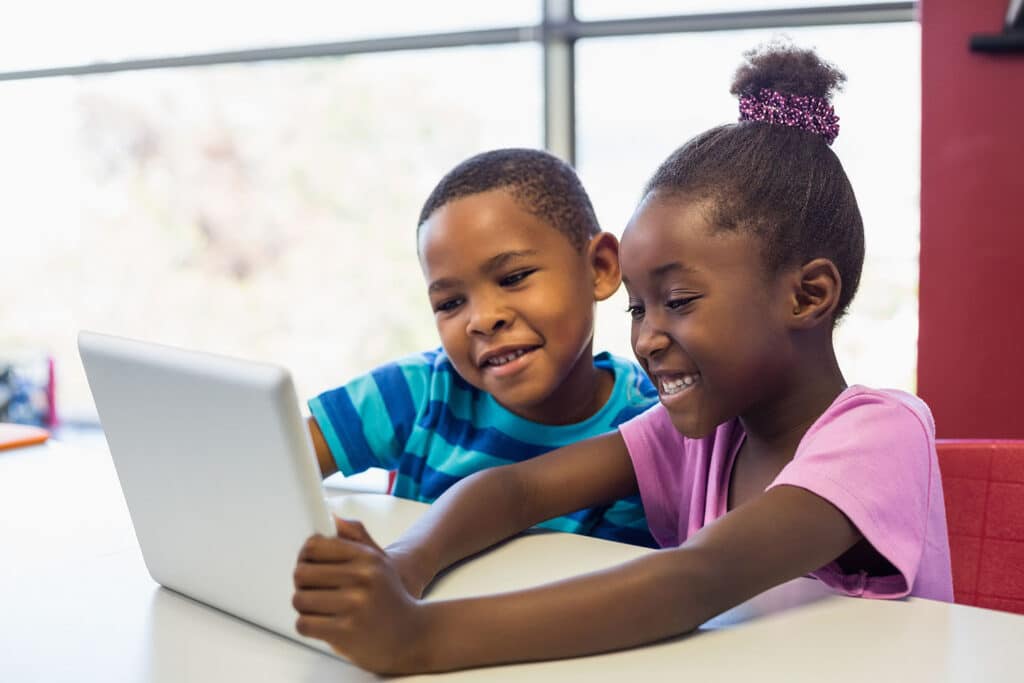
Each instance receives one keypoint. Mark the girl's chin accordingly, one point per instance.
(689, 427)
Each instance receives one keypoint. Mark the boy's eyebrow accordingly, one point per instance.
(490, 265)
(496, 262)
(443, 283)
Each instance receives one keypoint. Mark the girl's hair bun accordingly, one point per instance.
(787, 70)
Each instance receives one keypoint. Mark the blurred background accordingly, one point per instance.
(246, 179)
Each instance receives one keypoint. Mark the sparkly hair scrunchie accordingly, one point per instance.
(797, 111)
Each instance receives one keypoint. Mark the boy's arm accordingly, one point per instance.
(354, 606)
(323, 453)
(493, 504)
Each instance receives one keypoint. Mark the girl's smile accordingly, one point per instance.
(673, 386)
(707, 324)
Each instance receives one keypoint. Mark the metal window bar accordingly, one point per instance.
(557, 34)
(567, 29)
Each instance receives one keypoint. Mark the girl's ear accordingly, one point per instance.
(603, 257)
(815, 293)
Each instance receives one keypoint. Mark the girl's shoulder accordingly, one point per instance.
(896, 404)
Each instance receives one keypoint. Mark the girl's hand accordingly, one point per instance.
(348, 593)
(409, 569)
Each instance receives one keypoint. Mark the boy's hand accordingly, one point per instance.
(348, 593)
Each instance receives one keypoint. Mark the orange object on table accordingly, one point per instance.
(14, 435)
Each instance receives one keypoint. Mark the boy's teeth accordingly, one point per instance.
(677, 384)
(506, 358)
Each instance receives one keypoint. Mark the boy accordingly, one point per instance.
(514, 263)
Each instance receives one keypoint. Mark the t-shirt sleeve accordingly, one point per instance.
(872, 460)
(656, 450)
(366, 422)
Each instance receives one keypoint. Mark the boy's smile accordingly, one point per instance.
(506, 360)
(513, 301)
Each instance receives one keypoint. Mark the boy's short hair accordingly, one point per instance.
(540, 182)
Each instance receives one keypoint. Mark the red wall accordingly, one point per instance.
(971, 341)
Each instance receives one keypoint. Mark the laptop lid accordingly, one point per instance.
(217, 469)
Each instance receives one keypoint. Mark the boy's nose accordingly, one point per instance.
(487, 320)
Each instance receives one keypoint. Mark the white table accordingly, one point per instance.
(76, 604)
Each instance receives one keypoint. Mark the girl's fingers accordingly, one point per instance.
(327, 549)
(328, 575)
(353, 530)
(318, 626)
(322, 602)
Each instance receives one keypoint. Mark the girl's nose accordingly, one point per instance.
(648, 339)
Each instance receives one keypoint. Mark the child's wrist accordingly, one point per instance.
(413, 567)
(427, 654)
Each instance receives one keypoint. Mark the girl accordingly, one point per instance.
(758, 466)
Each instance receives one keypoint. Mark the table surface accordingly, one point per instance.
(77, 604)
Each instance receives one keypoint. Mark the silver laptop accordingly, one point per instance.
(217, 469)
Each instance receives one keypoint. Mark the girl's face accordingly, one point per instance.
(708, 320)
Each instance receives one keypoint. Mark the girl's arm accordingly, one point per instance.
(497, 503)
(785, 533)
(349, 593)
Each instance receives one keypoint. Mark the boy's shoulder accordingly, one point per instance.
(632, 393)
(630, 379)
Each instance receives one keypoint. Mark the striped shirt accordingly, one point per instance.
(419, 417)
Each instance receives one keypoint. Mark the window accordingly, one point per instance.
(263, 210)
(266, 209)
(124, 29)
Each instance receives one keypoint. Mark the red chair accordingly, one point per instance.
(983, 482)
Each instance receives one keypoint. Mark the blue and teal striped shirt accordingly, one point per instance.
(419, 417)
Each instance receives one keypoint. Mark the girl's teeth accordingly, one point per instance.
(674, 386)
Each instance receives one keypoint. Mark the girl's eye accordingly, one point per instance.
(447, 306)
(517, 277)
(636, 311)
(680, 303)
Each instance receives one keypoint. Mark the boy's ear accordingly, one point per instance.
(603, 257)
(814, 293)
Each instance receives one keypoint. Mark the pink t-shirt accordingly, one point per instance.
(871, 454)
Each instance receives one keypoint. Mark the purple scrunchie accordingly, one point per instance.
(798, 111)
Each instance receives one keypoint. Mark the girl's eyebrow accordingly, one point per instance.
(665, 269)
(674, 267)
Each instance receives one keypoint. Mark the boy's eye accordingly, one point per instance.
(517, 277)
(448, 305)
(636, 311)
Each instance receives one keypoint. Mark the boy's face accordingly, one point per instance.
(513, 301)
(708, 321)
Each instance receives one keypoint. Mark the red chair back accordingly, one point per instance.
(983, 483)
